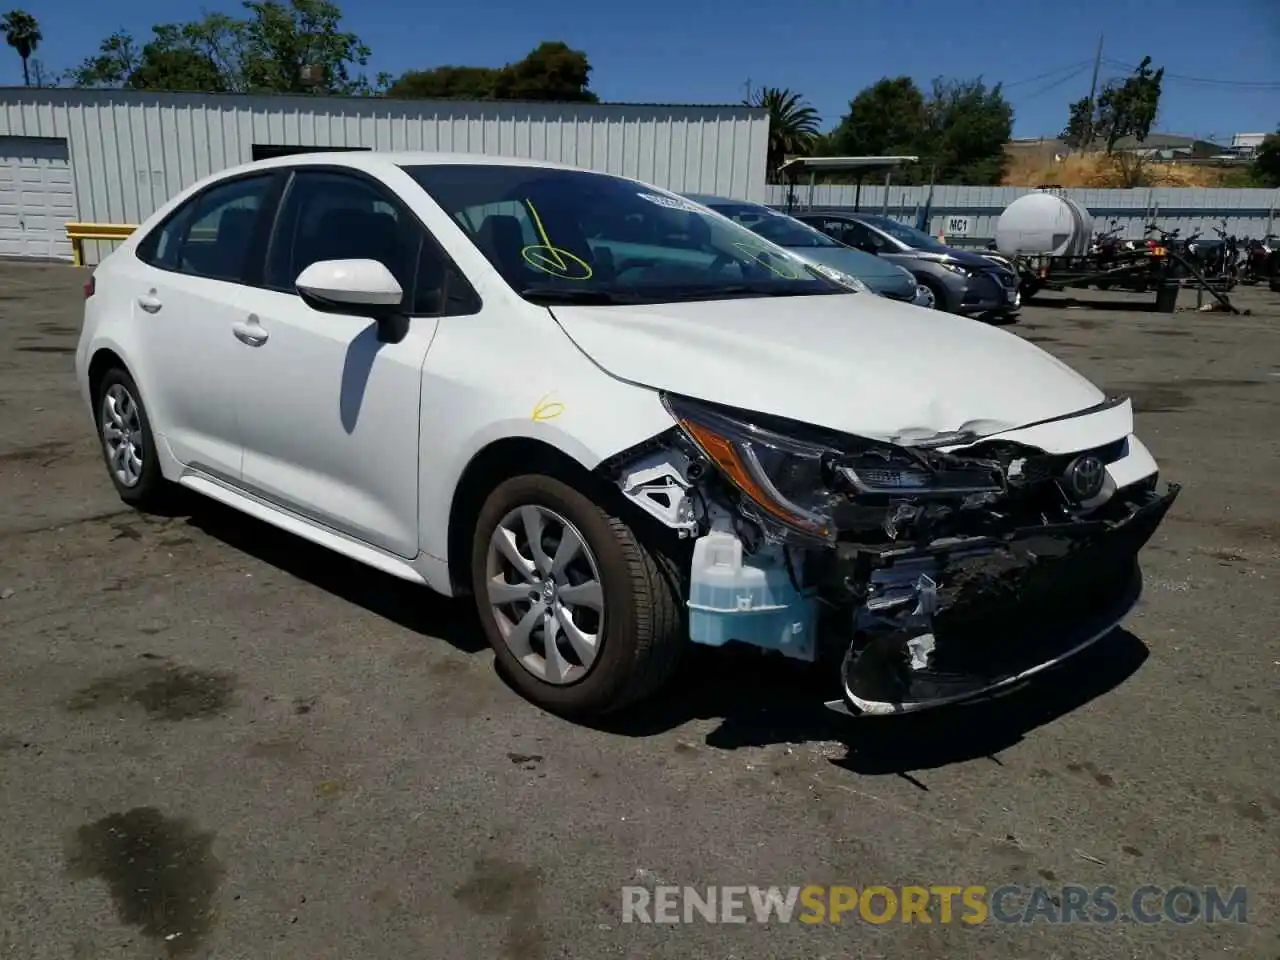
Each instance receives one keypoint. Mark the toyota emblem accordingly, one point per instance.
(1085, 477)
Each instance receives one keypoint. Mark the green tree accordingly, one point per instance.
(446, 83)
(282, 46)
(297, 47)
(967, 126)
(1265, 168)
(885, 119)
(551, 72)
(22, 32)
(793, 125)
(1079, 129)
(959, 130)
(1124, 108)
(170, 60)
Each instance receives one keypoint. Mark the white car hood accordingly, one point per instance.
(859, 364)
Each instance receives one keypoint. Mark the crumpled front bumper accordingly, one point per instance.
(949, 624)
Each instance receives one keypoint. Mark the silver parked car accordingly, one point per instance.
(881, 276)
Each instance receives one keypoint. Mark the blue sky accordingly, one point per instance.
(698, 51)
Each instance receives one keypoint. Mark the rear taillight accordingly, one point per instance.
(89, 287)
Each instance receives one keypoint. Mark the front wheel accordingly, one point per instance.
(929, 296)
(583, 617)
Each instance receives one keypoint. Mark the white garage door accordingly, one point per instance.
(36, 198)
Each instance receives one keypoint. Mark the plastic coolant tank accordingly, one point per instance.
(748, 599)
(1043, 223)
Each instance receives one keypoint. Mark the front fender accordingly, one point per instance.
(474, 395)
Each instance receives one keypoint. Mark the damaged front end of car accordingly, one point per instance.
(935, 570)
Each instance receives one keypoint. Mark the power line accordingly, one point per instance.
(1251, 84)
(1044, 76)
(1056, 83)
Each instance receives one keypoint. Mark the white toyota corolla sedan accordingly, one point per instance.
(620, 421)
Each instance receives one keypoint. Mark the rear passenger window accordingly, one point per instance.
(222, 225)
(160, 248)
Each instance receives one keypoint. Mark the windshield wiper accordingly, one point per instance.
(554, 295)
(725, 293)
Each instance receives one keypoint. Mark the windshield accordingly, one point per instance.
(570, 236)
(775, 227)
(916, 239)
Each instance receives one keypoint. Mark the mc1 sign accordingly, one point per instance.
(957, 226)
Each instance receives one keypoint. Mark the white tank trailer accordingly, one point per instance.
(1044, 224)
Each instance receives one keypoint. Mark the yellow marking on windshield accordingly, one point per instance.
(763, 258)
(547, 409)
(551, 259)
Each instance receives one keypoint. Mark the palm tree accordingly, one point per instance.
(793, 123)
(23, 34)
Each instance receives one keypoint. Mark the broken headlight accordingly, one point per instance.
(785, 477)
(798, 476)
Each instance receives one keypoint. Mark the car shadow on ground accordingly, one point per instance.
(762, 702)
(1089, 303)
(759, 700)
(408, 605)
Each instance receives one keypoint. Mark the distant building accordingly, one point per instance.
(1245, 145)
(1164, 147)
(114, 156)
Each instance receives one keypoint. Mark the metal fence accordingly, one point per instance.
(967, 215)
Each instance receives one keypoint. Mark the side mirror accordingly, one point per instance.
(359, 288)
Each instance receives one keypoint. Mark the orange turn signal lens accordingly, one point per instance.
(725, 455)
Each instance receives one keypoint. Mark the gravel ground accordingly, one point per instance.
(218, 741)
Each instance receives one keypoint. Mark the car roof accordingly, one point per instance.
(372, 161)
(709, 199)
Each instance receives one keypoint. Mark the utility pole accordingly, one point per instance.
(1093, 93)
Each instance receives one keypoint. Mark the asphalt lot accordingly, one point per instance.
(218, 741)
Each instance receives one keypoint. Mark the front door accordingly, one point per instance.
(330, 413)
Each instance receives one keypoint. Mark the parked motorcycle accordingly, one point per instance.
(1256, 261)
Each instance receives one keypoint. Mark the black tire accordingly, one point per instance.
(151, 491)
(644, 628)
(939, 295)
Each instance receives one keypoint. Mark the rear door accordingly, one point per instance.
(186, 284)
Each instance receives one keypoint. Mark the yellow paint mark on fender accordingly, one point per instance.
(547, 409)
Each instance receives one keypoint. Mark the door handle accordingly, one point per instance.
(150, 302)
(250, 332)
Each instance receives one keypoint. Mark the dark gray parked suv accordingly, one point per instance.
(958, 281)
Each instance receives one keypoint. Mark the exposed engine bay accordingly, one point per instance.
(935, 570)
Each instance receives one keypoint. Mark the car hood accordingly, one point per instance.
(864, 266)
(965, 258)
(866, 366)
(880, 275)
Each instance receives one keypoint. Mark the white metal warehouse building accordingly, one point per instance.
(110, 156)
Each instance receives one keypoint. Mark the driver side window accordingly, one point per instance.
(329, 215)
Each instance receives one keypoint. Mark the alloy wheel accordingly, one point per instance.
(925, 297)
(122, 435)
(544, 588)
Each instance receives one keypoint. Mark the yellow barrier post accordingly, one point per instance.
(78, 233)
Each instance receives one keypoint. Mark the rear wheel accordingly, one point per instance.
(583, 617)
(128, 445)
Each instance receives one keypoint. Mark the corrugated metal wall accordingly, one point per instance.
(1249, 213)
(131, 151)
